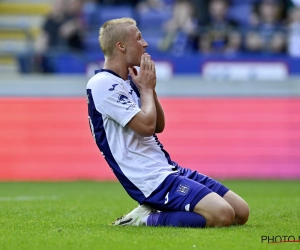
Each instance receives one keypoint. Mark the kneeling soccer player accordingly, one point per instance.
(125, 115)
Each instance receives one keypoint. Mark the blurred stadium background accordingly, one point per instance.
(232, 109)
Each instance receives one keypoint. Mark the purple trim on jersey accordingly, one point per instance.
(136, 90)
(107, 70)
(102, 143)
(164, 151)
(101, 140)
(134, 87)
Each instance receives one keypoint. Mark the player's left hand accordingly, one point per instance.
(146, 78)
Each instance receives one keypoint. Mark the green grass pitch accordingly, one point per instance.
(78, 215)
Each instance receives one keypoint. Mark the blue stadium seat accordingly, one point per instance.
(250, 2)
(152, 37)
(91, 42)
(240, 13)
(180, 45)
(105, 13)
(152, 19)
(151, 25)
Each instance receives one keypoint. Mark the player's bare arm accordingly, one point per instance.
(160, 116)
(144, 122)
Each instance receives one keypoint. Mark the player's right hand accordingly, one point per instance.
(146, 77)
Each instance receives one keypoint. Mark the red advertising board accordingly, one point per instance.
(49, 138)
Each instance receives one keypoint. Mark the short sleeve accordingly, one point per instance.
(116, 104)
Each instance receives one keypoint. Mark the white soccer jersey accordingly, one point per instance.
(140, 163)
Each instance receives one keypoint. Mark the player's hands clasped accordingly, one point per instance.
(146, 78)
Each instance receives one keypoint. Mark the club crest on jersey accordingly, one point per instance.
(183, 189)
(123, 99)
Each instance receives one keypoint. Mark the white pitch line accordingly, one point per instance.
(28, 198)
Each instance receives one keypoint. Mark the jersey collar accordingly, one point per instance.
(107, 70)
(135, 89)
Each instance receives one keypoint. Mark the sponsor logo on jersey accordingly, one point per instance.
(130, 92)
(113, 87)
(183, 189)
(123, 99)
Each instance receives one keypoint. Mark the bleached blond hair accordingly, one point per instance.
(113, 31)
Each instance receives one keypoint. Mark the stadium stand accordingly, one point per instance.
(96, 15)
(104, 13)
(240, 12)
(150, 24)
(20, 22)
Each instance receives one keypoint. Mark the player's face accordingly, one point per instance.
(135, 46)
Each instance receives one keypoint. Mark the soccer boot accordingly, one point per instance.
(135, 217)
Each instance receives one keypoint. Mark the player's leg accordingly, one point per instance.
(174, 200)
(144, 215)
(240, 207)
(211, 211)
(184, 203)
(216, 211)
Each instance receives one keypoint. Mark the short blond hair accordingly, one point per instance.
(113, 31)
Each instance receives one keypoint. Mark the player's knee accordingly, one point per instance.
(243, 214)
(225, 216)
(217, 211)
